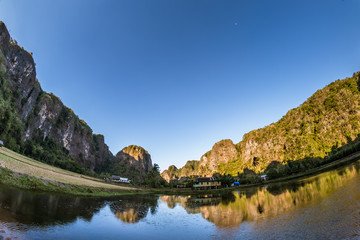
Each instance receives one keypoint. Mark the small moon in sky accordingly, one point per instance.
(236, 24)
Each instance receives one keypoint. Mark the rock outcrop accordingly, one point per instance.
(44, 115)
(326, 121)
(135, 156)
(169, 173)
(38, 124)
(221, 153)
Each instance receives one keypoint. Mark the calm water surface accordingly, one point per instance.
(326, 206)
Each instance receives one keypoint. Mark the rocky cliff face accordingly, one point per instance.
(38, 124)
(136, 156)
(44, 115)
(169, 173)
(326, 121)
(222, 152)
(132, 161)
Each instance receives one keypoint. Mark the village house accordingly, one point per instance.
(182, 182)
(203, 183)
(183, 179)
(175, 180)
(263, 177)
(119, 179)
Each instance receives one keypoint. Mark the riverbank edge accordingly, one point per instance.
(27, 182)
(311, 172)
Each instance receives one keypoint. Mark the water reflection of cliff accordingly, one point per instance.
(25, 208)
(133, 209)
(265, 202)
(30, 208)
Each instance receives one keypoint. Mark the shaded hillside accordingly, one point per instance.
(326, 121)
(132, 161)
(38, 124)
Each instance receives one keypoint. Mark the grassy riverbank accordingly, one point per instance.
(23, 172)
(26, 173)
(311, 172)
(25, 181)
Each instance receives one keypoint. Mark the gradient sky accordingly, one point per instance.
(176, 76)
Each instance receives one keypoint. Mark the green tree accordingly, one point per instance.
(153, 178)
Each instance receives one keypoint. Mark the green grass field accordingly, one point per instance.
(23, 172)
(25, 166)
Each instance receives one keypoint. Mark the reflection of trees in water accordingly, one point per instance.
(133, 209)
(30, 208)
(26, 208)
(264, 202)
(173, 200)
(279, 188)
(192, 203)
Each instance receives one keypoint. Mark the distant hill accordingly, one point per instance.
(326, 121)
(39, 125)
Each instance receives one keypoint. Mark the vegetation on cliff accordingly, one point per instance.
(320, 130)
(38, 124)
(42, 148)
(133, 162)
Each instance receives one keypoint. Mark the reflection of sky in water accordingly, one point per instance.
(323, 207)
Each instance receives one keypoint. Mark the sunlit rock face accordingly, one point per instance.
(221, 153)
(326, 121)
(45, 119)
(44, 115)
(170, 173)
(166, 175)
(136, 156)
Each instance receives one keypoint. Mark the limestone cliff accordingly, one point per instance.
(39, 125)
(324, 122)
(222, 152)
(169, 173)
(44, 115)
(135, 156)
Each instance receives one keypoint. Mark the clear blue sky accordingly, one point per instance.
(177, 76)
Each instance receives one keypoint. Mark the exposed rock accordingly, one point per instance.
(222, 152)
(326, 121)
(43, 115)
(135, 156)
(166, 175)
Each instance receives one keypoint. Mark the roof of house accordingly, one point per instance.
(114, 177)
(205, 179)
(183, 179)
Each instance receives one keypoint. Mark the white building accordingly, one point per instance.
(119, 179)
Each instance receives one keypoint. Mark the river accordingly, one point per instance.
(325, 206)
